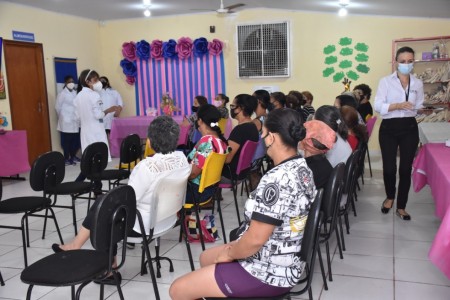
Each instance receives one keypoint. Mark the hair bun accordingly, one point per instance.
(297, 132)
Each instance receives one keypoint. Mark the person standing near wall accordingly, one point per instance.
(67, 121)
(398, 98)
(110, 97)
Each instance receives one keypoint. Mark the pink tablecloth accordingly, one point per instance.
(14, 153)
(432, 167)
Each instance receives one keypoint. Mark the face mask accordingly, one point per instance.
(267, 146)
(70, 85)
(405, 69)
(233, 114)
(97, 86)
(194, 108)
(217, 103)
(270, 106)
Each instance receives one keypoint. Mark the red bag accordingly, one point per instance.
(207, 226)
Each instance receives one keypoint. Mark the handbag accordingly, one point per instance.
(207, 226)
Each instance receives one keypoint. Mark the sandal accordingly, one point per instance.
(404, 217)
(56, 248)
(385, 209)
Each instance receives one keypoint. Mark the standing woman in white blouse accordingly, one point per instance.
(110, 97)
(398, 98)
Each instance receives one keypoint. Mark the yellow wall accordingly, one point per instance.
(99, 46)
(61, 36)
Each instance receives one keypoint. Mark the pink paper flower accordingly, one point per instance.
(129, 51)
(184, 47)
(215, 47)
(157, 49)
(131, 80)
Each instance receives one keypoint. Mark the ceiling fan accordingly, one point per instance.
(225, 10)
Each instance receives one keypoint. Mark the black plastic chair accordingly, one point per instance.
(114, 216)
(349, 190)
(362, 147)
(310, 245)
(330, 208)
(2, 282)
(130, 152)
(93, 161)
(43, 174)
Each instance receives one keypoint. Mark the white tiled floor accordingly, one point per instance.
(386, 258)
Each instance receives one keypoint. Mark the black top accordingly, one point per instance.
(321, 168)
(365, 109)
(240, 134)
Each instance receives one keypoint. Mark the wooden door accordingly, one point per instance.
(28, 94)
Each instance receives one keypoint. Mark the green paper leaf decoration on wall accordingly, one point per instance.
(327, 72)
(346, 51)
(345, 64)
(329, 60)
(352, 75)
(329, 49)
(363, 68)
(345, 41)
(350, 57)
(362, 47)
(361, 57)
(338, 76)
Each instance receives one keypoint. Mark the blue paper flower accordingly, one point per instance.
(200, 47)
(128, 67)
(143, 50)
(169, 49)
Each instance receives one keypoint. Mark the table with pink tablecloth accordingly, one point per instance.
(13, 153)
(122, 127)
(432, 167)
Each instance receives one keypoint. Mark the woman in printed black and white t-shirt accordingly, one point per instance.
(262, 261)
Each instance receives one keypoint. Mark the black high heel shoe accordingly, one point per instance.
(385, 209)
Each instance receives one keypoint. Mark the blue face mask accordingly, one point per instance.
(405, 69)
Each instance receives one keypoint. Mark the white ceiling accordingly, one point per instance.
(104, 10)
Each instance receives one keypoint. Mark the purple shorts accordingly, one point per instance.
(234, 281)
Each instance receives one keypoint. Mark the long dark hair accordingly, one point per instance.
(210, 114)
(331, 116)
(247, 103)
(288, 124)
(350, 116)
(85, 76)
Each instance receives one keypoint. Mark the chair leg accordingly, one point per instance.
(74, 216)
(56, 224)
(24, 245)
(327, 248)
(2, 282)
(27, 227)
(45, 224)
(80, 288)
(322, 269)
(197, 218)
(370, 165)
(30, 288)
(72, 291)
(339, 243)
(342, 233)
(102, 290)
(119, 289)
(236, 204)
(352, 202)
(219, 211)
(188, 246)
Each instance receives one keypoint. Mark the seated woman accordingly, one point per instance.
(348, 99)
(319, 139)
(356, 131)
(263, 261)
(264, 105)
(278, 100)
(220, 102)
(341, 150)
(212, 140)
(190, 120)
(241, 109)
(162, 135)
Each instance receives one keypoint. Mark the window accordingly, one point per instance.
(263, 50)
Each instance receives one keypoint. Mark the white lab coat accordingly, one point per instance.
(110, 97)
(89, 110)
(65, 109)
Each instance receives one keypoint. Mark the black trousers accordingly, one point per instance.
(70, 143)
(402, 134)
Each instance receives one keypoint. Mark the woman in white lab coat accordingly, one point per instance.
(67, 121)
(110, 97)
(90, 112)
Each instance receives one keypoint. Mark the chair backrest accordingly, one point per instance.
(184, 135)
(370, 124)
(311, 229)
(114, 217)
(212, 170)
(350, 171)
(130, 149)
(94, 160)
(332, 194)
(169, 198)
(260, 151)
(223, 125)
(246, 157)
(48, 170)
